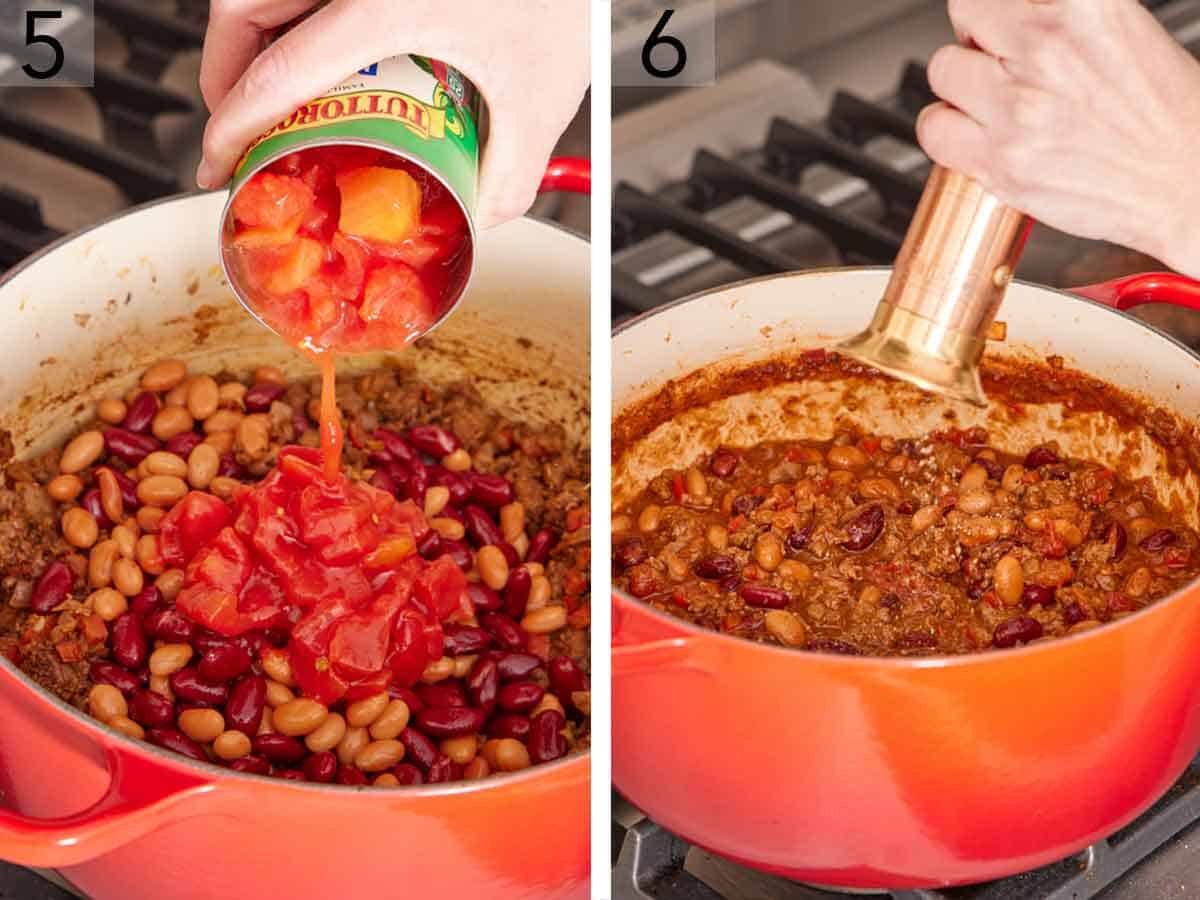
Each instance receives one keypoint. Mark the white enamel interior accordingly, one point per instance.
(84, 318)
(773, 317)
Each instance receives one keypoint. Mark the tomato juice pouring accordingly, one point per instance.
(349, 224)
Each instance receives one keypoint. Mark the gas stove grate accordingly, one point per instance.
(649, 862)
(129, 99)
(774, 177)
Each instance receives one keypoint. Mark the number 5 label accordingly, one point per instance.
(664, 45)
(47, 42)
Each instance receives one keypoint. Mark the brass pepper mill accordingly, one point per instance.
(949, 278)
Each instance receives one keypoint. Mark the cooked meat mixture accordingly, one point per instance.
(870, 545)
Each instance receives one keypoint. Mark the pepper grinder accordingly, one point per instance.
(947, 284)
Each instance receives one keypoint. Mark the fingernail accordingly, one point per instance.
(204, 175)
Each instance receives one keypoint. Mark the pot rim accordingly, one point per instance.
(941, 661)
(211, 772)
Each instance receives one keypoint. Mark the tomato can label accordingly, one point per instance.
(418, 107)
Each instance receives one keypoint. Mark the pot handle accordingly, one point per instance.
(572, 174)
(135, 804)
(1151, 287)
(682, 653)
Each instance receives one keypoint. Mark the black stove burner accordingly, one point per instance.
(649, 864)
(790, 150)
(129, 100)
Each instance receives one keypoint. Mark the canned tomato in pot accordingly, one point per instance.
(350, 224)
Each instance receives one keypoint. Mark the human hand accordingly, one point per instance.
(1083, 113)
(529, 59)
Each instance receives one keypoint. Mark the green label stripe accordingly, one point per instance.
(454, 157)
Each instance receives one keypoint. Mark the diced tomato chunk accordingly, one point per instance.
(395, 297)
(192, 522)
(292, 266)
(378, 203)
(271, 200)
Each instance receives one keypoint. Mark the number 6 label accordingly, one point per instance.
(48, 42)
(664, 45)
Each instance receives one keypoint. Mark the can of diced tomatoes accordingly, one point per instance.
(349, 225)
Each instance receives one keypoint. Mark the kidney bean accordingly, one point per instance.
(128, 488)
(746, 504)
(1073, 614)
(381, 479)
(224, 663)
(483, 684)
(457, 483)
(723, 463)
(141, 412)
(566, 677)
(252, 764)
(509, 725)
(408, 695)
(508, 634)
(279, 748)
(797, 540)
(52, 587)
(430, 545)
(419, 748)
(716, 568)
(1159, 540)
(1116, 537)
(188, 685)
(458, 640)
(516, 592)
(481, 528)
(450, 721)
(459, 553)
(127, 641)
(520, 696)
(540, 546)
(203, 640)
(511, 666)
(545, 736)
(491, 490)
(321, 767)
(408, 774)
(483, 598)
(291, 775)
(170, 625)
(1019, 629)
(110, 673)
(630, 553)
(864, 529)
(441, 771)
(230, 467)
(511, 556)
(764, 596)
(93, 504)
(184, 443)
(443, 694)
(1040, 456)
(150, 709)
(244, 709)
(129, 447)
(173, 739)
(1037, 595)
(396, 448)
(350, 776)
(260, 397)
(149, 599)
(433, 440)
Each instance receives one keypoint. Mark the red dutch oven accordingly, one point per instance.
(894, 773)
(123, 819)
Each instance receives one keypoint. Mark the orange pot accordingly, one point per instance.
(122, 819)
(896, 773)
